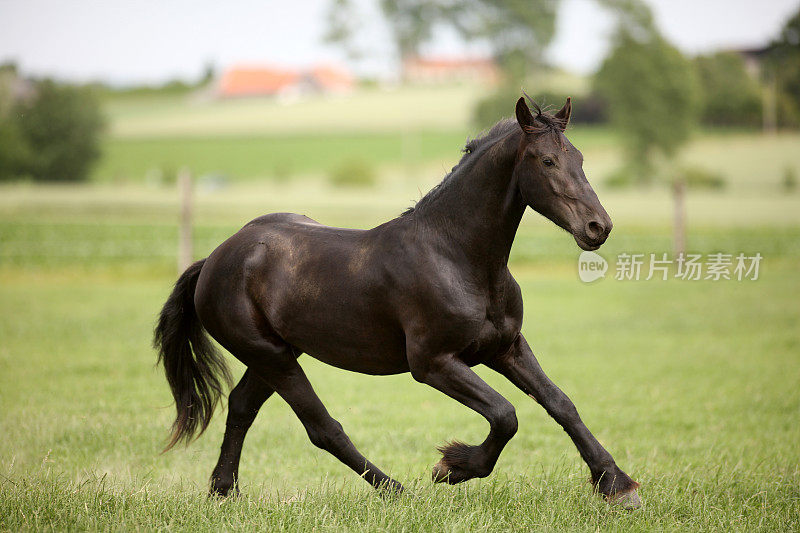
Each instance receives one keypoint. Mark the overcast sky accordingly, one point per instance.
(149, 41)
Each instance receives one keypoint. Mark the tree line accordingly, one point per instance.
(645, 87)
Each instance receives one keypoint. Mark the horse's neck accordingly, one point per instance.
(480, 211)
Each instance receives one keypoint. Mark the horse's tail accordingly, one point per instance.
(195, 370)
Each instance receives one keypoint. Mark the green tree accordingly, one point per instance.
(15, 154)
(61, 125)
(517, 30)
(342, 26)
(411, 22)
(730, 96)
(651, 90)
(14, 150)
(652, 96)
(209, 74)
(782, 72)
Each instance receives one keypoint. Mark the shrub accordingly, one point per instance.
(61, 126)
(789, 182)
(353, 172)
(788, 112)
(15, 154)
(694, 177)
(701, 178)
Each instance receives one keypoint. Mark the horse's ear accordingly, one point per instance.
(524, 116)
(564, 113)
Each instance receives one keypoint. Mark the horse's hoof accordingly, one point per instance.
(391, 489)
(222, 495)
(627, 500)
(222, 490)
(441, 472)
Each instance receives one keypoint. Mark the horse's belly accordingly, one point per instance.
(363, 364)
(376, 351)
(347, 333)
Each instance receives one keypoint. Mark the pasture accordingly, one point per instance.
(692, 385)
(410, 135)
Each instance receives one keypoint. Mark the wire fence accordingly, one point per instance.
(55, 244)
(65, 243)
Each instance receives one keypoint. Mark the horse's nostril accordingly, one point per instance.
(594, 230)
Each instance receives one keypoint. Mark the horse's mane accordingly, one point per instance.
(472, 151)
(544, 123)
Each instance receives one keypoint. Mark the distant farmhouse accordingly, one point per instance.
(753, 58)
(238, 82)
(450, 69)
(13, 88)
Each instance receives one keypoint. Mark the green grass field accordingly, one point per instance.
(414, 132)
(692, 385)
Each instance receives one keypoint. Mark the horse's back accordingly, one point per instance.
(273, 251)
(319, 288)
(280, 218)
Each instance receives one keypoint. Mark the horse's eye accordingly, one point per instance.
(548, 162)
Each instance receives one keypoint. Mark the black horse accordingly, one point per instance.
(428, 293)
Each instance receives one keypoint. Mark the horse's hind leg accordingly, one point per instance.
(244, 402)
(290, 382)
(520, 366)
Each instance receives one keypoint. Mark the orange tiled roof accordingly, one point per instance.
(331, 78)
(243, 81)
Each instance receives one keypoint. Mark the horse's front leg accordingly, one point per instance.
(520, 366)
(453, 377)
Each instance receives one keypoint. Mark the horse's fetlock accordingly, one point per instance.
(612, 480)
(482, 470)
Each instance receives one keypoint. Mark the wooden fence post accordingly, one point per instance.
(770, 104)
(679, 217)
(185, 252)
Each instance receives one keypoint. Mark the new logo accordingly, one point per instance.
(591, 266)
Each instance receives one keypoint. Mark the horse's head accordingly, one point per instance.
(549, 174)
